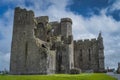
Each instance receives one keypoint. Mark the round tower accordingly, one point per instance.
(66, 27)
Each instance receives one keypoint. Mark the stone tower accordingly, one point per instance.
(29, 54)
(65, 49)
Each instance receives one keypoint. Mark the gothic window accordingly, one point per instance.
(89, 54)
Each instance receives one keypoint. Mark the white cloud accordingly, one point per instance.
(6, 23)
(4, 61)
(82, 27)
(116, 5)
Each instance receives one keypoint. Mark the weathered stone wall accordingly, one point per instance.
(22, 32)
(85, 55)
(56, 29)
(29, 54)
(52, 62)
(65, 50)
(41, 30)
(89, 55)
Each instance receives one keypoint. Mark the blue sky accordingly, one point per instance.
(89, 17)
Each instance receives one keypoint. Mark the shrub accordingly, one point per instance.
(75, 71)
(118, 71)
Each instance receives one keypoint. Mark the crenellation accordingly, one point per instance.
(80, 41)
(22, 16)
(66, 20)
(86, 40)
(87, 53)
(93, 40)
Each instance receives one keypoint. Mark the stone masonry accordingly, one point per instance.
(43, 47)
(89, 55)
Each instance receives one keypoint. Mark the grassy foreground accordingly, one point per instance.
(95, 76)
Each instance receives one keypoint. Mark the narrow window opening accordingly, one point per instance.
(26, 53)
(81, 55)
(89, 55)
(26, 50)
(60, 63)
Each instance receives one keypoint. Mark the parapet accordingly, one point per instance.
(44, 19)
(93, 40)
(66, 20)
(79, 41)
(18, 9)
(23, 16)
(86, 40)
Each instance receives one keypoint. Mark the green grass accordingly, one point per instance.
(95, 76)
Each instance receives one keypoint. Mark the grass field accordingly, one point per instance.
(95, 76)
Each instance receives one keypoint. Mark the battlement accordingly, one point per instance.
(23, 16)
(84, 41)
(66, 20)
(44, 19)
(18, 9)
(94, 39)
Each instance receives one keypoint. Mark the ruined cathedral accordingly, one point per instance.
(43, 47)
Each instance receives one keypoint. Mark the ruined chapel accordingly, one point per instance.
(43, 47)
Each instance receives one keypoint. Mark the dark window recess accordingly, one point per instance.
(81, 56)
(26, 53)
(89, 54)
(40, 25)
(60, 63)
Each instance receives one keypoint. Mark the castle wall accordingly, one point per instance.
(86, 55)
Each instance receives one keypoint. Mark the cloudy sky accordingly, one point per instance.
(89, 18)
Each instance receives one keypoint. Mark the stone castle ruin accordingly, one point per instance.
(43, 47)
